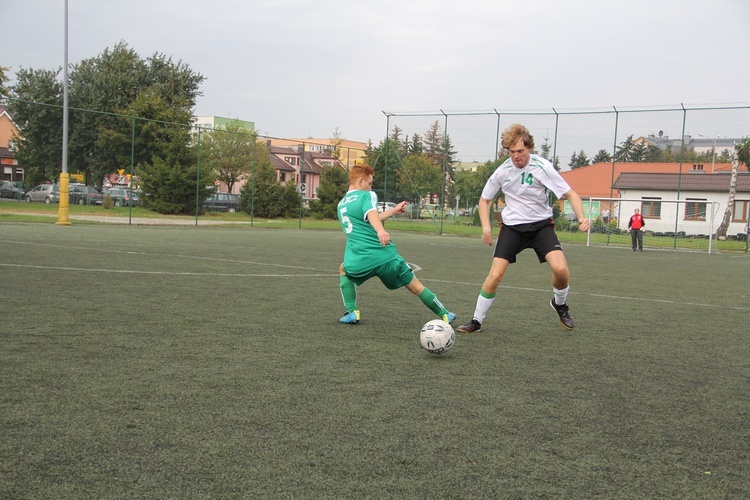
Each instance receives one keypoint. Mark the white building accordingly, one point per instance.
(699, 189)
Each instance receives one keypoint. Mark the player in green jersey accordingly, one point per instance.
(369, 250)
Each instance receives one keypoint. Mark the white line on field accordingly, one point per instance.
(600, 295)
(171, 273)
(329, 274)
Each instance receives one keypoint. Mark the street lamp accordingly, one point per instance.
(713, 151)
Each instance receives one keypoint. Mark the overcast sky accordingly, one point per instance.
(303, 68)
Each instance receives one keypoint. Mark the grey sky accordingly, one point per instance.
(302, 68)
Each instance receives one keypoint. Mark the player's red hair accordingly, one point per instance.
(358, 171)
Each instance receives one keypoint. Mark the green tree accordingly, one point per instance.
(416, 147)
(602, 157)
(625, 152)
(4, 91)
(469, 184)
(333, 186)
(112, 83)
(291, 200)
(546, 149)
(578, 160)
(171, 179)
(386, 161)
(438, 147)
(335, 143)
(653, 153)
(260, 196)
(638, 153)
(39, 150)
(228, 152)
(422, 174)
(263, 196)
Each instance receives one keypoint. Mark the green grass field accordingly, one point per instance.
(207, 362)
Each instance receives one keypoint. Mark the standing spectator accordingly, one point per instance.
(636, 225)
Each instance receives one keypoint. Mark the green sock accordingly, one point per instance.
(430, 300)
(348, 293)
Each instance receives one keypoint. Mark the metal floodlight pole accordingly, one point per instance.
(63, 217)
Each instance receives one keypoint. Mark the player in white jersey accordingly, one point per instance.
(526, 180)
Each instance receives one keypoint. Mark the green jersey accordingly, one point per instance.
(363, 249)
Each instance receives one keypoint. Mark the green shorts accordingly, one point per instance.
(394, 274)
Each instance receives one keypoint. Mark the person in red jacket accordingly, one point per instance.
(636, 225)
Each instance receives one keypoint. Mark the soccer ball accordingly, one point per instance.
(437, 336)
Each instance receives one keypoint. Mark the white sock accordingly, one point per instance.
(483, 305)
(561, 296)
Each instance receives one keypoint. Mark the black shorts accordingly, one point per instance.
(515, 239)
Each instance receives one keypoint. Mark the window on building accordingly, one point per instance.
(290, 160)
(282, 177)
(695, 209)
(739, 214)
(651, 208)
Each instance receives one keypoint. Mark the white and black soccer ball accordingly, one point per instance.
(437, 336)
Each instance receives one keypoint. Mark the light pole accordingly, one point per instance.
(713, 151)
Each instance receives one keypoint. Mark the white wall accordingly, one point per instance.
(669, 211)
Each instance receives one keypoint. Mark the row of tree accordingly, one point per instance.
(142, 123)
(635, 151)
(151, 99)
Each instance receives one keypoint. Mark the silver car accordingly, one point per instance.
(48, 193)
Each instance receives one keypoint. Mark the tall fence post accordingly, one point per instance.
(554, 144)
(445, 171)
(132, 166)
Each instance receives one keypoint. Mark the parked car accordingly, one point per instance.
(121, 197)
(82, 194)
(12, 189)
(385, 205)
(48, 193)
(223, 202)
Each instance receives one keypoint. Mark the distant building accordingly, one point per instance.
(218, 122)
(470, 166)
(11, 171)
(296, 164)
(696, 144)
(699, 189)
(351, 152)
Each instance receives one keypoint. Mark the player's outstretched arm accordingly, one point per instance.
(398, 209)
(577, 205)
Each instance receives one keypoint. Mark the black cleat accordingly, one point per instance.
(470, 327)
(562, 311)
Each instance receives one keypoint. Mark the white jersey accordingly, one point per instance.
(526, 190)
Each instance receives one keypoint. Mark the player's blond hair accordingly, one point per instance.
(515, 132)
(358, 171)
